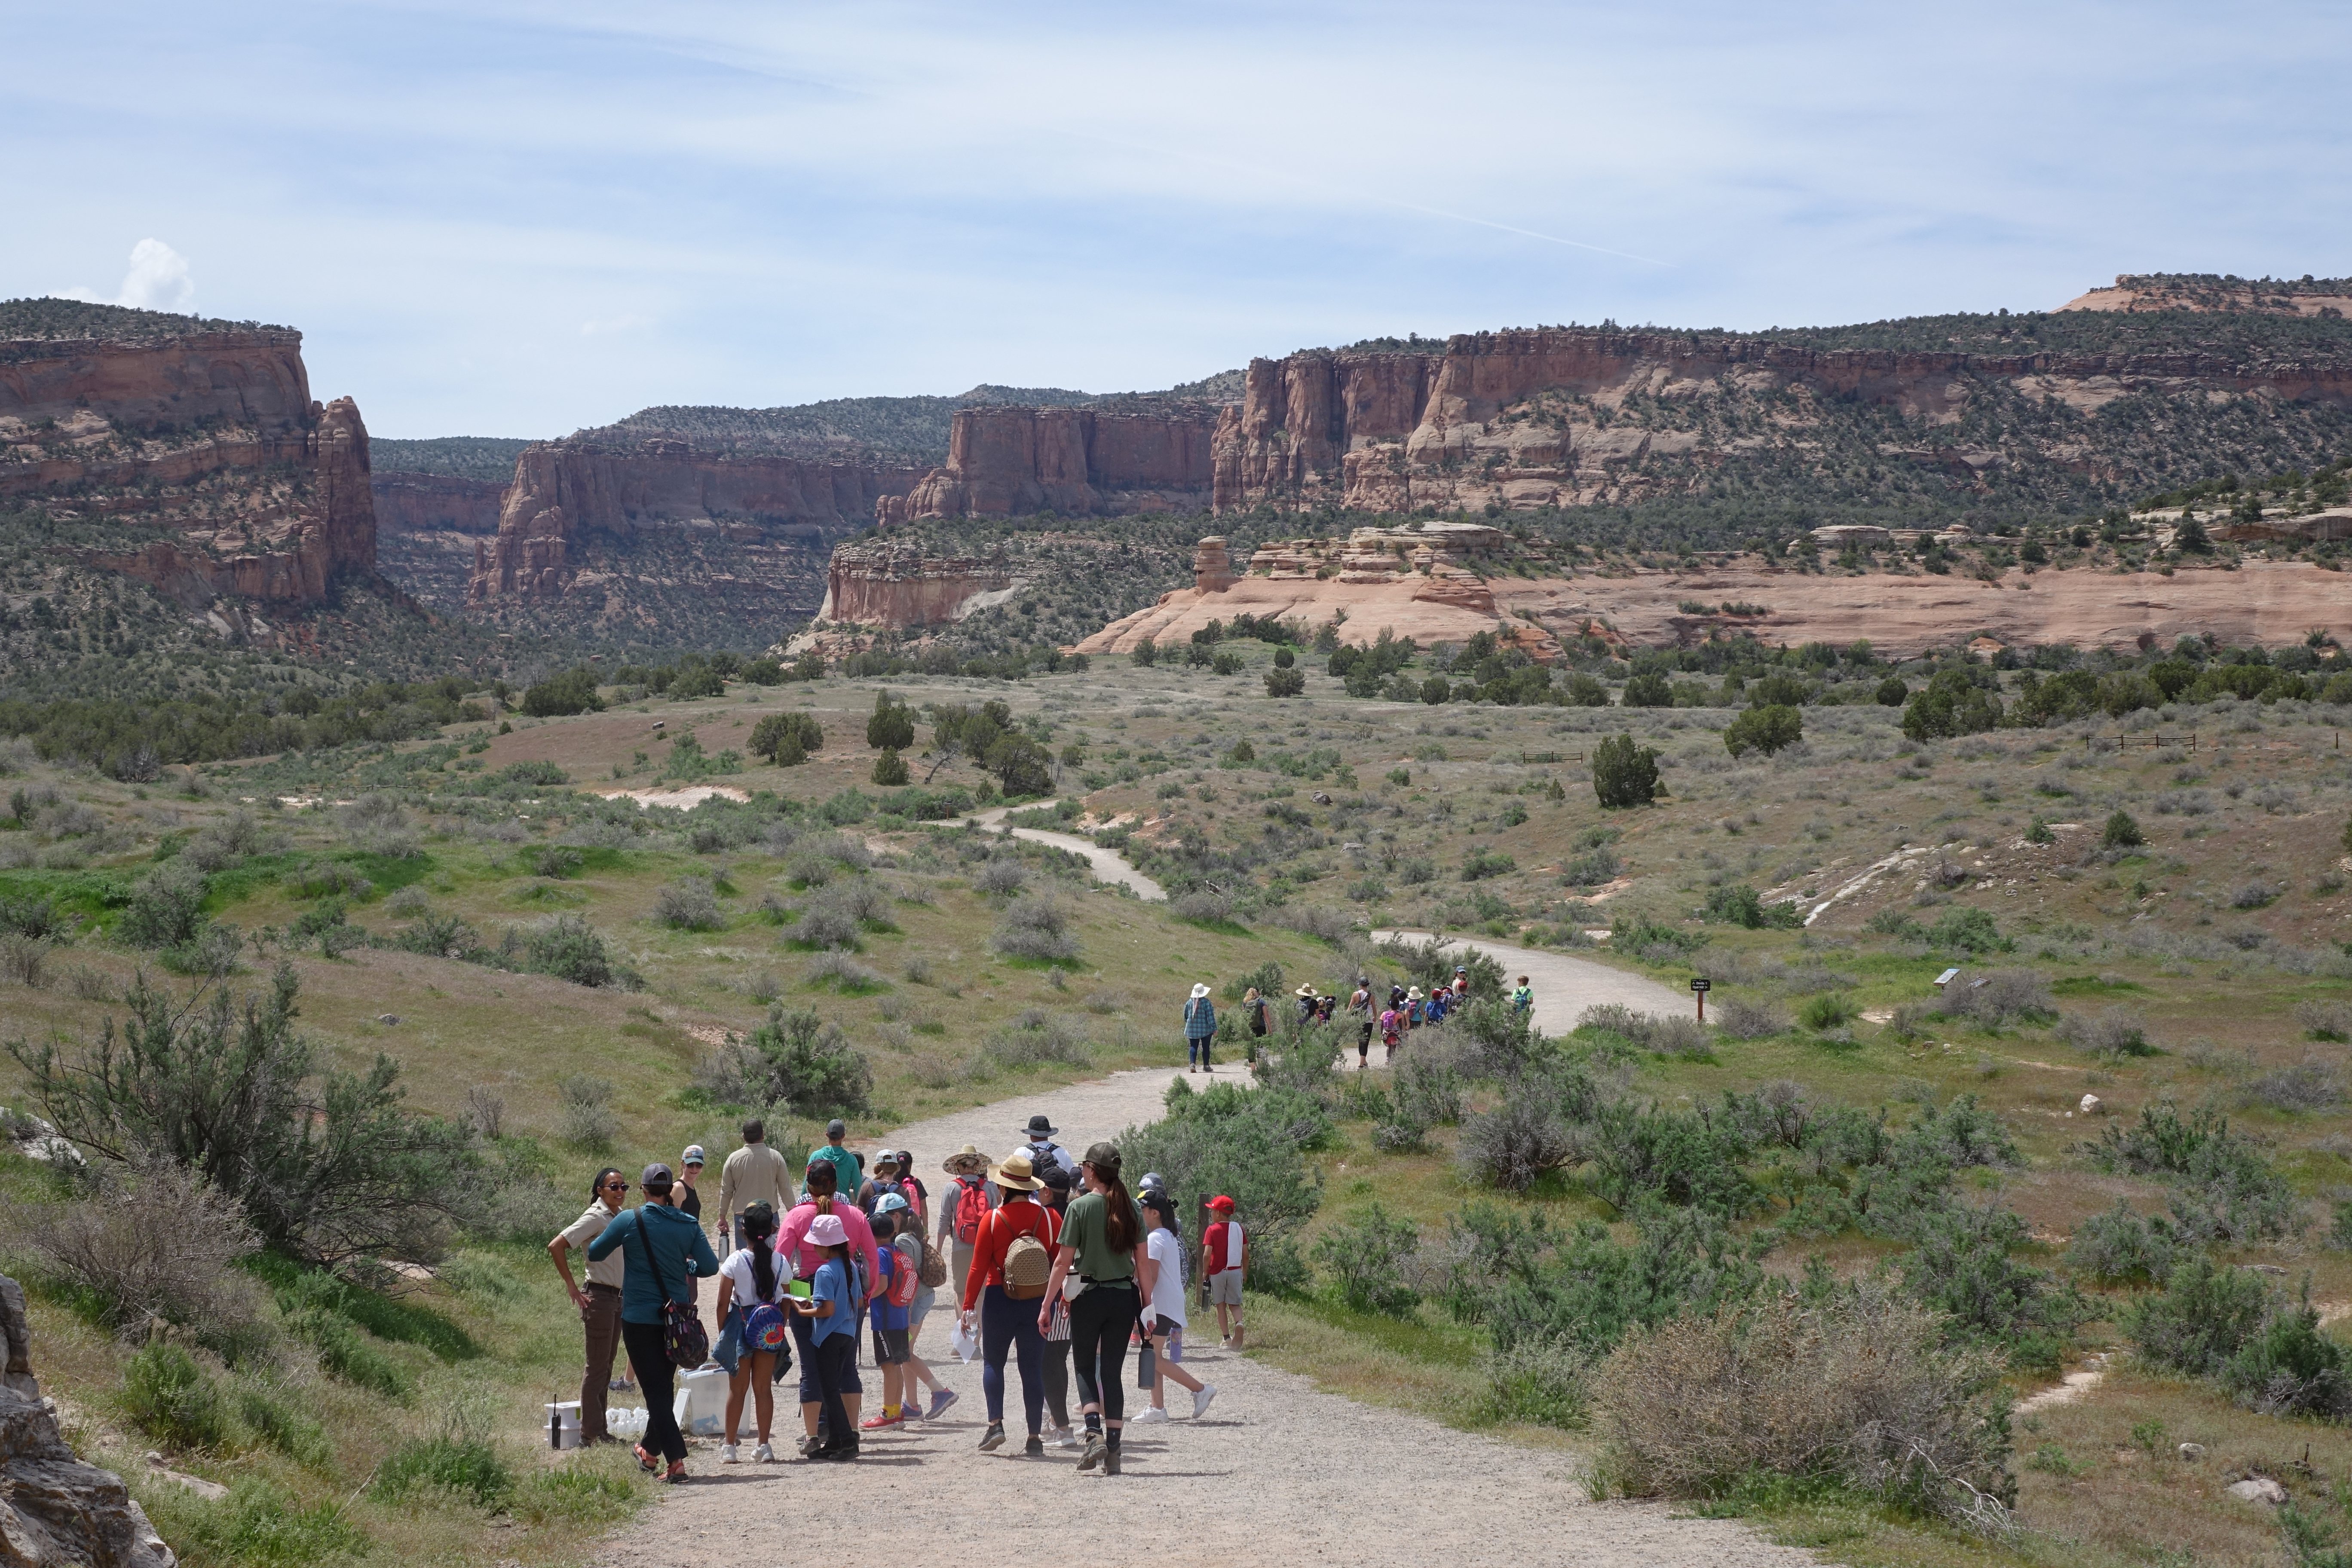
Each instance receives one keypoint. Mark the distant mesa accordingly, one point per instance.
(1078, 462)
(2328, 297)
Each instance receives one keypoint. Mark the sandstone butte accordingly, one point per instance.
(566, 492)
(897, 586)
(180, 435)
(1078, 462)
(1445, 590)
(1381, 431)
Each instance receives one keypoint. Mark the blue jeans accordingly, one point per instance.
(1006, 1324)
(1197, 1050)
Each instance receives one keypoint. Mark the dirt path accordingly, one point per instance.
(1564, 986)
(1277, 1474)
(1109, 865)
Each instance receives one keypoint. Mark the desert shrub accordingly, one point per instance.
(827, 924)
(557, 860)
(2223, 1187)
(1036, 1037)
(151, 1243)
(168, 1395)
(1203, 905)
(787, 740)
(795, 1060)
(1644, 1154)
(23, 959)
(1768, 729)
(440, 936)
(2289, 1368)
(585, 1119)
(375, 825)
(1541, 1381)
(568, 948)
(1624, 774)
(1427, 1089)
(1961, 1134)
(331, 879)
(1002, 877)
(2201, 1319)
(1744, 1020)
(2121, 832)
(1364, 1263)
(2119, 1031)
(1962, 1265)
(1829, 1010)
(220, 845)
(1512, 1145)
(2310, 1085)
(1037, 928)
(1249, 1144)
(2000, 998)
(2325, 1020)
(166, 909)
(327, 1164)
(1481, 864)
(39, 919)
(1736, 903)
(838, 970)
(1857, 1389)
(688, 904)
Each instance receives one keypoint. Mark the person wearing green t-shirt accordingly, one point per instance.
(847, 1171)
(1102, 1236)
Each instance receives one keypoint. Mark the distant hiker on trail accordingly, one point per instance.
(755, 1174)
(1257, 1013)
(1100, 1243)
(1307, 1002)
(1392, 1028)
(1462, 981)
(849, 1170)
(664, 1252)
(1361, 1004)
(1324, 1005)
(1043, 1150)
(1523, 998)
(752, 1290)
(963, 1207)
(600, 1303)
(1200, 1030)
(1225, 1254)
(1163, 1312)
(1004, 1294)
(1413, 1003)
(1441, 1003)
(689, 1172)
(1055, 1195)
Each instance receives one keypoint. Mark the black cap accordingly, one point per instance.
(836, 1127)
(1054, 1176)
(656, 1175)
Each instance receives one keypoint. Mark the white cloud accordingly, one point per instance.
(158, 281)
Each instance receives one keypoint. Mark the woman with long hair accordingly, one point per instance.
(1101, 1239)
(751, 1290)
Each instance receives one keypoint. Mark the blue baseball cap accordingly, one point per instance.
(891, 1203)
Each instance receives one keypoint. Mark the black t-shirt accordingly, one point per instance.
(690, 1201)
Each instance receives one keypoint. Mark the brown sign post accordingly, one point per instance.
(1699, 989)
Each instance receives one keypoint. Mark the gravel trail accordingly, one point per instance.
(1564, 986)
(1277, 1474)
(1109, 865)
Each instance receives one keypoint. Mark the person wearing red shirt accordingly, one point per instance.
(1006, 1324)
(1224, 1253)
(803, 1258)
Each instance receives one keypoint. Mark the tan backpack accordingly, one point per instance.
(1028, 1263)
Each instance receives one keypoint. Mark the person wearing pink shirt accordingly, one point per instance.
(792, 1241)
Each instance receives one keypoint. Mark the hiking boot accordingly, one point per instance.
(1035, 1448)
(841, 1452)
(1201, 1400)
(1110, 1461)
(993, 1438)
(1093, 1454)
(1150, 1417)
(941, 1399)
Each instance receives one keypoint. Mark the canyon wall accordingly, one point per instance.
(1079, 462)
(1388, 432)
(566, 494)
(200, 461)
(899, 587)
(437, 503)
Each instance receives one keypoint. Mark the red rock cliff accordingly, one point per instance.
(434, 503)
(899, 586)
(209, 441)
(564, 491)
(1006, 462)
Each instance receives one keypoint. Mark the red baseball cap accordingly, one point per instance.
(1221, 1203)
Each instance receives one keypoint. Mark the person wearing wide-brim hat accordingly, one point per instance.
(1200, 1030)
(1307, 1000)
(957, 1226)
(1043, 1150)
(1005, 1302)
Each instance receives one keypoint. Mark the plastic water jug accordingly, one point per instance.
(563, 1425)
(626, 1421)
(702, 1403)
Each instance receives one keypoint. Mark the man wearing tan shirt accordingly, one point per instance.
(755, 1174)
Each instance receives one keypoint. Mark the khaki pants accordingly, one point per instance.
(959, 1265)
(602, 1319)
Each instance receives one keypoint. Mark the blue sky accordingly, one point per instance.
(502, 218)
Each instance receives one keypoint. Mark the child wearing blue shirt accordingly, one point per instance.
(832, 1332)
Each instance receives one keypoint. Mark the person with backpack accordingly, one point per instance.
(1307, 1002)
(1258, 1013)
(794, 1240)
(889, 1314)
(1225, 1257)
(1392, 1028)
(1054, 1192)
(663, 1252)
(963, 1208)
(752, 1292)
(918, 1195)
(1439, 1002)
(1162, 1288)
(1043, 1150)
(1100, 1243)
(831, 1312)
(1361, 1004)
(1326, 1005)
(1011, 1260)
(1200, 1030)
(883, 1181)
(930, 1271)
(848, 1169)
(1523, 997)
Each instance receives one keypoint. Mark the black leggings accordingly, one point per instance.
(1057, 1381)
(835, 1357)
(659, 1379)
(1101, 1319)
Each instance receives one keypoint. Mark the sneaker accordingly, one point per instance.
(618, 1386)
(875, 1423)
(1201, 1400)
(764, 1454)
(1064, 1438)
(1151, 1418)
(841, 1453)
(993, 1438)
(1035, 1447)
(941, 1400)
(807, 1446)
(1094, 1452)
(731, 1455)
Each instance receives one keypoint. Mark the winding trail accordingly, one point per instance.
(1109, 865)
(1279, 1474)
(1564, 986)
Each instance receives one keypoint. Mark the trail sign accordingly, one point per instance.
(1699, 989)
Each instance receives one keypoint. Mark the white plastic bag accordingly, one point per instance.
(963, 1343)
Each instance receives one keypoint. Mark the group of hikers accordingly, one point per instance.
(1408, 1009)
(1056, 1265)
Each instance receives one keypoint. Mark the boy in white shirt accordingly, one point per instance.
(1163, 1268)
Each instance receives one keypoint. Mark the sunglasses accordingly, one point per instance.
(616, 1187)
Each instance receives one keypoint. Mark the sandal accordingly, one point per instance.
(647, 1460)
(676, 1474)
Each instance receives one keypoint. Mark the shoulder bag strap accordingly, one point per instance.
(653, 1264)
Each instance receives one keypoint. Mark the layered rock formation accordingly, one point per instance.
(203, 459)
(567, 495)
(1532, 419)
(2175, 292)
(898, 587)
(2269, 602)
(1080, 462)
(435, 504)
